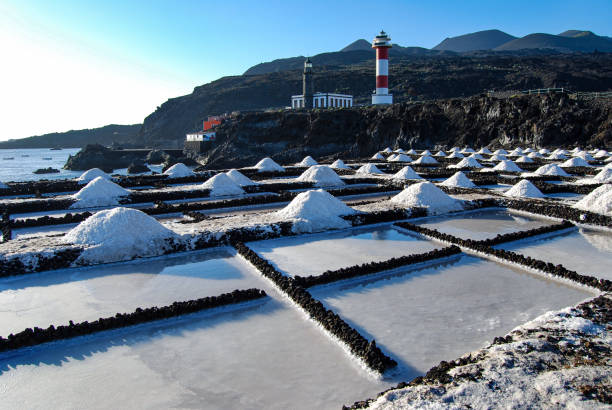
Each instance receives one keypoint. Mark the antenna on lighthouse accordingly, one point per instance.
(382, 44)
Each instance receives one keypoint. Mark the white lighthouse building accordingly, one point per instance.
(382, 44)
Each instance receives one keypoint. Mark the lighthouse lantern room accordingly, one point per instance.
(382, 44)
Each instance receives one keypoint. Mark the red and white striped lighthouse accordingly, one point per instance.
(382, 44)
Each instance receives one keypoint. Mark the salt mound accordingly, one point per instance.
(411, 152)
(339, 164)
(575, 162)
(500, 151)
(400, 151)
(557, 156)
(560, 151)
(467, 163)
(507, 165)
(401, 158)
(601, 154)
(3, 185)
(524, 159)
(551, 169)
(222, 185)
(387, 150)
(455, 154)
(391, 157)
(528, 151)
(119, 234)
(516, 152)
(99, 192)
(454, 149)
(476, 156)
(268, 165)
(369, 169)
(92, 174)
(584, 155)
(497, 157)
(603, 176)
(378, 155)
(316, 210)
(440, 154)
(544, 151)
(179, 170)
(426, 152)
(467, 150)
(524, 189)
(427, 195)
(598, 201)
(308, 161)
(459, 180)
(406, 173)
(321, 175)
(239, 178)
(534, 155)
(484, 150)
(425, 159)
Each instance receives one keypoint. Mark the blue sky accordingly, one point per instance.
(71, 64)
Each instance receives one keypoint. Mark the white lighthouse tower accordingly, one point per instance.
(382, 44)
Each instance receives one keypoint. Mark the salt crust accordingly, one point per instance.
(222, 185)
(368, 169)
(459, 180)
(308, 161)
(425, 159)
(92, 174)
(339, 164)
(239, 178)
(510, 375)
(598, 201)
(524, 189)
(406, 173)
(314, 211)
(99, 192)
(321, 176)
(179, 170)
(468, 162)
(268, 165)
(427, 195)
(119, 234)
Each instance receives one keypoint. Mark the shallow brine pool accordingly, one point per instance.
(261, 355)
(485, 224)
(443, 310)
(586, 251)
(314, 254)
(89, 293)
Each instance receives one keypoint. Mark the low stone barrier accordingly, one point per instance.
(36, 336)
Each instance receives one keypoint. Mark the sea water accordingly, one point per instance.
(19, 164)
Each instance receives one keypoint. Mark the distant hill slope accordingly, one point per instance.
(411, 78)
(569, 41)
(360, 44)
(124, 134)
(480, 40)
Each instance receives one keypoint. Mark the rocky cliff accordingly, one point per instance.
(287, 136)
